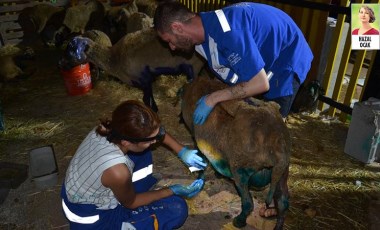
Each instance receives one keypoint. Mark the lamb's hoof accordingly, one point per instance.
(239, 221)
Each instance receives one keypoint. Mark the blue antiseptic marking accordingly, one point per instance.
(245, 174)
(261, 178)
(247, 206)
(222, 167)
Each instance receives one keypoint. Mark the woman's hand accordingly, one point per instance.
(188, 191)
(191, 158)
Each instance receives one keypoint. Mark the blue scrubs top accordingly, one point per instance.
(242, 39)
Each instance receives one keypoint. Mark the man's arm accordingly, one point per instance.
(257, 85)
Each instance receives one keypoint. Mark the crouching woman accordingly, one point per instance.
(108, 182)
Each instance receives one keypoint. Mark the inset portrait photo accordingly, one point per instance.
(365, 26)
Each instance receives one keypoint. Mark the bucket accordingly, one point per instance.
(77, 79)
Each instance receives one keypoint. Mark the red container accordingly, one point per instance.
(77, 79)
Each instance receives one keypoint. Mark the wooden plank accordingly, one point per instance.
(18, 7)
(341, 73)
(8, 18)
(10, 26)
(15, 8)
(334, 50)
(13, 35)
(317, 24)
(296, 14)
(13, 41)
(4, 2)
(369, 71)
(353, 81)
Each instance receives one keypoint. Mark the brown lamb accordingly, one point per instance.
(246, 141)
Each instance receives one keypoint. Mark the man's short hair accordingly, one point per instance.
(168, 12)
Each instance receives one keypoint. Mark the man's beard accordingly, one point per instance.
(184, 44)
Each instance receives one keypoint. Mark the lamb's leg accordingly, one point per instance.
(277, 171)
(145, 84)
(148, 98)
(188, 71)
(241, 177)
(281, 198)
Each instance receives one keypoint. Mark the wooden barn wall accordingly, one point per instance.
(10, 30)
(313, 24)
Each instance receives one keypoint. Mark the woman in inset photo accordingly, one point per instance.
(366, 18)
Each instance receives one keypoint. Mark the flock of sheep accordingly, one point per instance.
(53, 26)
(246, 141)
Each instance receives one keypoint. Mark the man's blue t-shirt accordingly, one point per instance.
(242, 39)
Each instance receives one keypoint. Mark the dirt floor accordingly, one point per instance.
(328, 189)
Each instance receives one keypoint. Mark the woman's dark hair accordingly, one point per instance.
(168, 12)
(131, 118)
(371, 13)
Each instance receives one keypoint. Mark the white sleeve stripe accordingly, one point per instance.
(223, 20)
(78, 219)
(142, 173)
(234, 78)
(201, 51)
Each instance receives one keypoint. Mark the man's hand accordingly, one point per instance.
(202, 111)
(188, 191)
(191, 158)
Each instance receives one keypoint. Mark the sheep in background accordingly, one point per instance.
(136, 60)
(99, 37)
(84, 17)
(115, 16)
(54, 24)
(138, 21)
(248, 143)
(125, 20)
(147, 6)
(114, 13)
(33, 20)
(12, 62)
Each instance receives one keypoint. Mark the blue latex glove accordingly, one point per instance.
(202, 111)
(76, 48)
(188, 191)
(191, 158)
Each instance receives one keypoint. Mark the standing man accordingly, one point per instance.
(254, 48)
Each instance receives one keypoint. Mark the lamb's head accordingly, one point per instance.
(75, 53)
